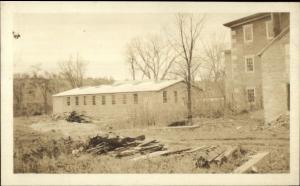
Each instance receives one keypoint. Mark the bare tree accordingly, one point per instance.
(73, 71)
(42, 80)
(213, 60)
(184, 42)
(131, 61)
(151, 56)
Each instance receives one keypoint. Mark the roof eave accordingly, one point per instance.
(247, 19)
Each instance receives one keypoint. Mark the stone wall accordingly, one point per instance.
(237, 79)
(275, 76)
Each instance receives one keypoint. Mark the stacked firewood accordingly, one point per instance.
(120, 146)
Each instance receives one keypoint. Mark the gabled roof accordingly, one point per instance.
(279, 36)
(246, 19)
(121, 87)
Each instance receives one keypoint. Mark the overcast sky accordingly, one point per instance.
(100, 39)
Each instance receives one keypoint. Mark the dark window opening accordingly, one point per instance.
(77, 100)
(175, 96)
(165, 98)
(113, 99)
(84, 100)
(251, 95)
(94, 100)
(124, 99)
(135, 98)
(68, 101)
(103, 100)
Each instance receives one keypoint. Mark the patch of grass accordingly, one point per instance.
(51, 151)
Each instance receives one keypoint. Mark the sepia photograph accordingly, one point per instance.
(149, 92)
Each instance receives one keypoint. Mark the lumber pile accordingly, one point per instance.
(120, 146)
(215, 155)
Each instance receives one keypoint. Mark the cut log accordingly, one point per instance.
(250, 163)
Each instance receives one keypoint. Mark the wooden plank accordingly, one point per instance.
(147, 143)
(151, 155)
(175, 151)
(254, 160)
(197, 149)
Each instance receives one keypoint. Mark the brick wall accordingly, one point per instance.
(275, 77)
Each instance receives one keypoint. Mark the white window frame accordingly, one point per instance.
(244, 28)
(267, 30)
(245, 61)
(249, 88)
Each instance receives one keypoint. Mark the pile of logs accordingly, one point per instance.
(120, 146)
(215, 154)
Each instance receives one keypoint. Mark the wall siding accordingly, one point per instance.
(150, 104)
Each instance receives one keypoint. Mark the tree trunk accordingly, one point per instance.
(189, 96)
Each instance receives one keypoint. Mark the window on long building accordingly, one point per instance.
(124, 98)
(94, 100)
(68, 101)
(165, 98)
(77, 100)
(84, 100)
(103, 100)
(135, 98)
(175, 96)
(113, 99)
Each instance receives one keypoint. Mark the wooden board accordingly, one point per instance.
(197, 149)
(151, 155)
(254, 160)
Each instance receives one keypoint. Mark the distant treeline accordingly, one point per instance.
(32, 93)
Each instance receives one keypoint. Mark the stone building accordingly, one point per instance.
(154, 100)
(275, 76)
(251, 63)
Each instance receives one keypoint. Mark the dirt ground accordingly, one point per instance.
(246, 131)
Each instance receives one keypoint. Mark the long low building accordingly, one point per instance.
(150, 101)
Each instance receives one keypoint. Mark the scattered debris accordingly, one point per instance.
(178, 123)
(282, 121)
(120, 146)
(72, 117)
(252, 162)
(79, 118)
